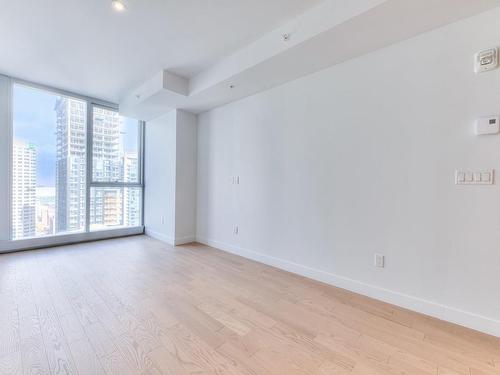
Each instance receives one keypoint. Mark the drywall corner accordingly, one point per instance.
(186, 176)
(159, 174)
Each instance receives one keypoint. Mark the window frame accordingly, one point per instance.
(87, 234)
(90, 163)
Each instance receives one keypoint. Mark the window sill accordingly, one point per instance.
(66, 239)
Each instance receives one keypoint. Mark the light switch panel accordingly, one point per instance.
(474, 177)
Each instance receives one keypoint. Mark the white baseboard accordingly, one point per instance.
(159, 236)
(168, 239)
(184, 240)
(464, 318)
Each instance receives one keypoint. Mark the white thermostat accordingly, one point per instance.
(488, 125)
(486, 60)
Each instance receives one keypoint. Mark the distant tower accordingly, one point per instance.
(70, 164)
(71, 167)
(23, 190)
(107, 159)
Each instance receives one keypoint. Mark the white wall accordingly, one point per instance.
(170, 177)
(5, 157)
(159, 177)
(185, 212)
(360, 158)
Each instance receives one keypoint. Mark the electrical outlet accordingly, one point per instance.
(379, 261)
(236, 230)
(235, 180)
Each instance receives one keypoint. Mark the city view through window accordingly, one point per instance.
(49, 166)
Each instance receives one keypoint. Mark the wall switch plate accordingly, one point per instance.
(486, 60)
(475, 177)
(379, 261)
(236, 230)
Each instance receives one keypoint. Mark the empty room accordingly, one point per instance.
(250, 187)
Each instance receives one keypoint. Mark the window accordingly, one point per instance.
(115, 207)
(48, 163)
(57, 186)
(116, 192)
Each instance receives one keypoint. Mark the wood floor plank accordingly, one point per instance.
(9, 328)
(86, 360)
(56, 348)
(101, 340)
(11, 363)
(165, 363)
(72, 328)
(135, 306)
(34, 358)
(115, 364)
(135, 355)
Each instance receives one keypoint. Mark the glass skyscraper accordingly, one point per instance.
(70, 164)
(23, 190)
(109, 206)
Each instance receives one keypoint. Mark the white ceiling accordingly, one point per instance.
(86, 47)
(330, 33)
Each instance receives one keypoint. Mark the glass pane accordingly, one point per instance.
(112, 207)
(115, 147)
(48, 164)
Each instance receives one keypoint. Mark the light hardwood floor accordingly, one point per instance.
(137, 306)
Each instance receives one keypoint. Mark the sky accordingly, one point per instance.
(35, 122)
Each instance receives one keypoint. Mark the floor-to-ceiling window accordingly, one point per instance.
(48, 163)
(115, 190)
(76, 165)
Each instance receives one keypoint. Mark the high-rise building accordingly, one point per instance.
(131, 196)
(45, 210)
(45, 218)
(23, 190)
(70, 164)
(107, 159)
(106, 204)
